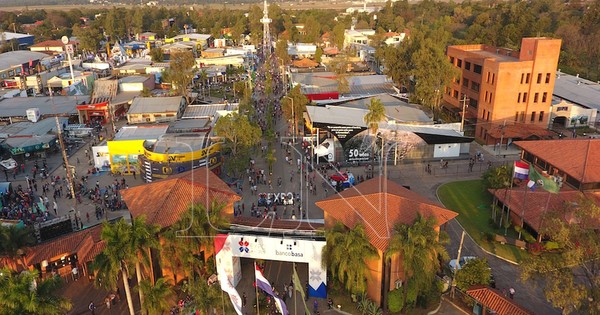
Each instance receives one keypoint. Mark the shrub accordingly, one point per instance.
(396, 301)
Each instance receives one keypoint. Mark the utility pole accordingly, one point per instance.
(501, 136)
(293, 120)
(464, 108)
(462, 239)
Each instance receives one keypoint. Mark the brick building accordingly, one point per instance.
(508, 93)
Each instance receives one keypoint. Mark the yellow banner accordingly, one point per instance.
(182, 157)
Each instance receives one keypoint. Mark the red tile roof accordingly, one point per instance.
(534, 202)
(249, 223)
(53, 43)
(496, 302)
(305, 63)
(369, 204)
(579, 158)
(80, 242)
(520, 131)
(164, 201)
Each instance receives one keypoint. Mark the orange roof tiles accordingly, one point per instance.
(80, 242)
(53, 43)
(534, 202)
(163, 202)
(369, 204)
(305, 63)
(275, 224)
(579, 158)
(522, 131)
(496, 302)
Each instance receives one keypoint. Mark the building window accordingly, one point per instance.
(465, 82)
(536, 97)
(562, 108)
(527, 78)
(522, 116)
(475, 86)
(525, 97)
(547, 78)
(539, 79)
(486, 96)
(532, 117)
(459, 63)
(483, 114)
(488, 116)
(516, 116)
(477, 69)
(473, 103)
(519, 98)
(455, 94)
(493, 77)
(452, 60)
(522, 77)
(544, 97)
(467, 65)
(541, 116)
(488, 77)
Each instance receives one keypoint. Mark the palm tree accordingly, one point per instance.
(345, 255)
(159, 295)
(194, 231)
(12, 241)
(22, 294)
(375, 115)
(205, 297)
(116, 258)
(421, 248)
(143, 239)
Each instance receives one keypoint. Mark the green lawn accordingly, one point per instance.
(473, 203)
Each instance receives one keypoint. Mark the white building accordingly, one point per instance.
(357, 36)
(575, 101)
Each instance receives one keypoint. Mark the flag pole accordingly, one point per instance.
(543, 215)
(295, 294)
(506, 200)
(523, 211)
(256, 290)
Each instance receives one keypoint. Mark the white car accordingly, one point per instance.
(463, 261)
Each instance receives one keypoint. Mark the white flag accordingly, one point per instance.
(234, 296)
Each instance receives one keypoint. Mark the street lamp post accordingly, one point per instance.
(293, 120)
(464, 108)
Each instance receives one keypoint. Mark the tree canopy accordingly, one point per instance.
(572, 271)
(181, 72)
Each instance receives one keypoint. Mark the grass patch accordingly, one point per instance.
(473, 204)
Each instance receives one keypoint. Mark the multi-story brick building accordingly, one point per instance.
(507, 93)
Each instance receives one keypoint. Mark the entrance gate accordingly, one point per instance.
(230, 248)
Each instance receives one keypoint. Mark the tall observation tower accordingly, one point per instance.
(266, 33)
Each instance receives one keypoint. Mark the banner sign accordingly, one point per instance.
(272, 248)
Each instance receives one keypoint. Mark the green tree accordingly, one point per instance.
(281, 51)
(24, 293)
(318, 54)
(572, 272)
(421, 248)
(293, 105)
(345, 254)
(143, 238)
(159, 297)
(13, 241)
(181, 72)
(237, 131)
(474, 272)
(89, 38)
(498, 178)
(375, 115)
(157, 55)
(337, 35)
(116, 259)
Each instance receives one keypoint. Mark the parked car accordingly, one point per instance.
(463, 261)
